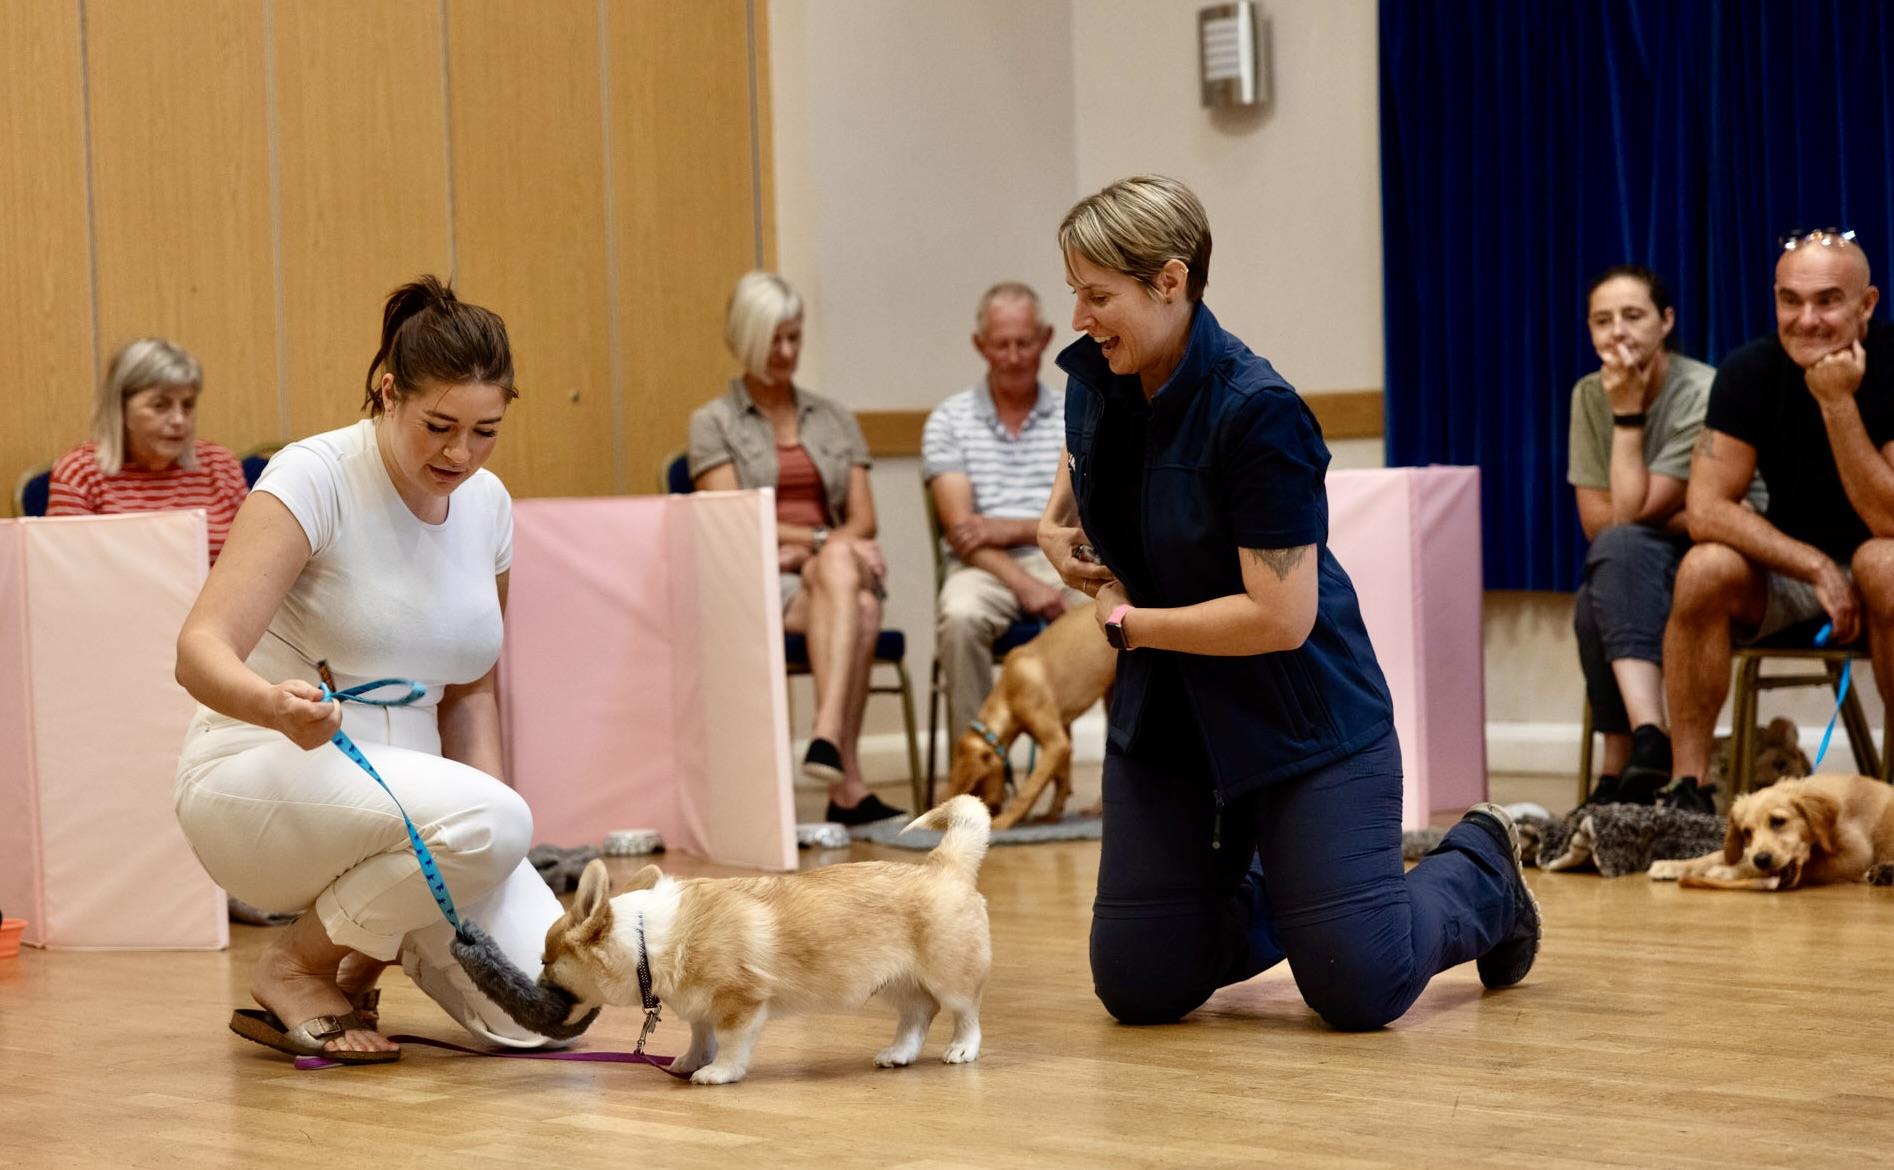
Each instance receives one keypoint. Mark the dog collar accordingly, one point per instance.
(651, 1005)
(1006, 760)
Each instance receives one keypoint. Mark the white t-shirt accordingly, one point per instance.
(384, 594)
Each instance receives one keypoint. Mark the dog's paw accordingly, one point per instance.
(717, 1074)
(1882, 874)
(690, 1062)
(962, 1053)
(1667, 871)
(895, 1056)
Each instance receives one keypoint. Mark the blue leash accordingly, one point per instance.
(436, 885)
(1841, 694)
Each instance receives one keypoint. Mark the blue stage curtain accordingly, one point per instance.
(1527, 146)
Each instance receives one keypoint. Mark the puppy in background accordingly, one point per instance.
(1043, 686)
(1809, 832)
(728, 953)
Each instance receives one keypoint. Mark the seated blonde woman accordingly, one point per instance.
(767, 432)
(144, 454)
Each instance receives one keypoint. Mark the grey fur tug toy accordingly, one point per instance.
(540, 1007)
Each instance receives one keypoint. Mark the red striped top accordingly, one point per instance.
(79, 488)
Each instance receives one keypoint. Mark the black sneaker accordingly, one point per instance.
(822, 763)
(1648, 769)
(1605, 791)
(1511, 957)
(870, 810)
(1689, 796)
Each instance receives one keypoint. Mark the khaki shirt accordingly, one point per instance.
(730, 429)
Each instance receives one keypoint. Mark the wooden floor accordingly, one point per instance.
(1660, 1028)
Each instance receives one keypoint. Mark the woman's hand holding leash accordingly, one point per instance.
(298, 710)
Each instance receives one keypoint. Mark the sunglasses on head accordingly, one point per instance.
(1829, 237)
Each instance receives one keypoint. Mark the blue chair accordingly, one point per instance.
(33, 491)
(891, 646)
(1011, 638)
(256, 459)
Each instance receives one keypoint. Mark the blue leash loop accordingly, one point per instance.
(1841, 694)
(436, 884)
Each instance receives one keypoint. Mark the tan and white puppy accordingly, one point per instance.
(728, 953)
(1828, 828)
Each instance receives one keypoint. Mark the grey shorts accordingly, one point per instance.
(791, 585)
(1791, 602)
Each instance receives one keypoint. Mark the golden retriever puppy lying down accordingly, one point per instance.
(1810, 832)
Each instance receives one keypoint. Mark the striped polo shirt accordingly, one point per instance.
(79, 488)
(1011, 474)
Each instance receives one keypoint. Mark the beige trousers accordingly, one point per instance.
(973, 609)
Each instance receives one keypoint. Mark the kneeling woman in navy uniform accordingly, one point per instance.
(1252, 779)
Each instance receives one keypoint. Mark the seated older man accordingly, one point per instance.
(989, 455)
(1812, 407)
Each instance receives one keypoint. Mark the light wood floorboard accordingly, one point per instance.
(1661, 1027)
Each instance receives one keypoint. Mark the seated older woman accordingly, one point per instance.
(767, 432)
(144, 454)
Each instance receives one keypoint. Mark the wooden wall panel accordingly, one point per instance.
(181, 194)
(46, 360)
(683, 207)
(362, 143)
(529, 210)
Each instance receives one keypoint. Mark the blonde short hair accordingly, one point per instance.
(1138, 225)
(761, 302)
(145, 364)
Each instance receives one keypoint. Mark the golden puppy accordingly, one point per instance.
(1799, 833)
(727, 953)
(1043, 686)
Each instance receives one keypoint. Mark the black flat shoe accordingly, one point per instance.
(870, 810)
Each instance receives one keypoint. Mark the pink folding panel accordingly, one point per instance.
(642, 680)
(90, 850)
(1409, 538)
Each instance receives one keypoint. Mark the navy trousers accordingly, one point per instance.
(1193, 896)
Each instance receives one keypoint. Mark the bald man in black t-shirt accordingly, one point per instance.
(1812, 408)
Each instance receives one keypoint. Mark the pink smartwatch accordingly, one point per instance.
(1115, 628)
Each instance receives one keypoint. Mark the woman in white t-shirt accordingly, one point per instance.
(382, 549)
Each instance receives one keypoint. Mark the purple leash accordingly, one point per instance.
(661, 1063)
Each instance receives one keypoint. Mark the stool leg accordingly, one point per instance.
(1743, 734)
(1860, 736)
(1584, 755)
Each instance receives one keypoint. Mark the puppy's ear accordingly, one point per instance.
(1781, 730)
(1733, 838)
(1823, 814)
(592, 906)
(645, 878)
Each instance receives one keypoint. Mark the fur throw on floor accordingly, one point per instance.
(1616, 839)
(561, 867)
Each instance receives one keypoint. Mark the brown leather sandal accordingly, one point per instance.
(307, 1039)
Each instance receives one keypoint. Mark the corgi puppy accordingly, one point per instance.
(728, 953)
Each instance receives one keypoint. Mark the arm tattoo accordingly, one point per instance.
(1706, 444)
(1281, 561)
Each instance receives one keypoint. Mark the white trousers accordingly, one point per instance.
(288, 830)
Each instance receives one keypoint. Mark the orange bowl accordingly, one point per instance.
(10, 931)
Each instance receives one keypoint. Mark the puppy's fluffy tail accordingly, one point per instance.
(964, 826)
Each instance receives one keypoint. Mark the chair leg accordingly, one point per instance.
(1743, 716)
(933, 722)
(1860, 736)
(1584, 755)
(915, 778)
